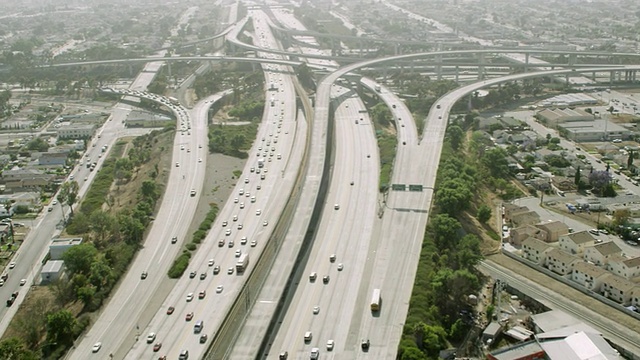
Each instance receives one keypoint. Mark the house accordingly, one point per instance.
(589, 276)
(620, 265)
(633, 209)
(561, 262)
(618, 289)
(53, 158)
(59, 246)
(553, 230)
(635, 297)
(600, 253)
(575, 243)
(51, 271)
(519, 234)
(535, 250)
(511, 209)
(26, 179)
(525, 218)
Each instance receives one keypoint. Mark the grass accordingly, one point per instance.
(387, 147)
(232, 140)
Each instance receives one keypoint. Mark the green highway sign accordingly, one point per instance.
(398, 187)
(415, 187)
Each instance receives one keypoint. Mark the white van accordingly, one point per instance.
(307, 336)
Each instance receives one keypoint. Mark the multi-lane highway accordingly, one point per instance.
(243, 225)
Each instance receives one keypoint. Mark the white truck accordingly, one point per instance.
(260, 163)
(243, 263)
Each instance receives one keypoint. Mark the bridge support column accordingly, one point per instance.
(396, 49)
(481, 66)
(566, 79)
(593, 76)
(130, 70)
(572, 59)
(611, 77)
(169, 70)
(457, 73)
(438, 68)
(526, 62)
(361, 47)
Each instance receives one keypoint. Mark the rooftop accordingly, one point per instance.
(607, 248)
(619, 283)
(581, 237)
(561, 256)
(589, 269)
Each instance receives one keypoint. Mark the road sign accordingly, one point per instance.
(415, 187)
(398, 187)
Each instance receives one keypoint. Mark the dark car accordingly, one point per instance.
(174, 239)
(202, 294)
(216, 270)
(283, 355)
(365, 344)
(189, 316)
(157, 346)
(203, 338)
(144, 275)
(203, 276)
(170, 310)
(192, 274)
(325, 279)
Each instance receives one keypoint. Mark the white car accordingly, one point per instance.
(96, 347)
(238, 253)
(23, 281)
(258, 212)
(211, 262)
(219, 289)
(316, 310)
(330, 344)
(189, 296)
(241, 205)
(235, 200)
(265, 223)
(151, 337)
(228, 232)
(254, 243)
(12, 265)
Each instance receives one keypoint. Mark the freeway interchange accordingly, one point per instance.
(376, 241)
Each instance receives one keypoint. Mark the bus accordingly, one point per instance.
(376, 300)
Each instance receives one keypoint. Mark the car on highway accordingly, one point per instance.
(219, 289)
(238, 253)
(151, 337)
(265, 223)
(258, 212)
(313, 276)
(230, 271)
(246, 180)
(199, 160)
(143, 275)
(241, 205)
(189, 316)
(254, 243)
(315, 354)
(253, 199)
(174, 239)
(243, 240)
(308, 336)
(96, 347)
(283, 355)
(23, 281)
(336, 207)
(231, 243)
(193, 193)
(192, 274)
(332, 258)
(364, 344)
(330, 344)
(216, 270)
(316, 310)
(189, 297)
(235, 217)
(202, 294)
(12, 265)
(203, 276)
(170, 310)
(225, 223)
(235, 200)
(211, 262)
(203, 338)
(177, 164)
(340, 267)
(239, 226)
(228, 232)
(157, 347)
(221, 243)
(325, 279)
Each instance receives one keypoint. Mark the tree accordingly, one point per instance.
(78, 259)
(495, 160)
(599, 180)
(149, 190)
(237, 142)
(453, 196)
(577, 178)
(60, 327)
(445, 229)
(381, 114)
(621, 217)
(69, 194)
(455, 135)
(15, 348)
(484, 213)
(630, 159)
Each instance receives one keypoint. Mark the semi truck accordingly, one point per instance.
(243, 263)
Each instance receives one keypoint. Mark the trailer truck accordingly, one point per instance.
(243, 263)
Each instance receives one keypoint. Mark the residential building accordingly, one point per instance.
(525, 218)
(620, 265)
(635, 297)
(535, 250)
(561, 262)
(600, 253)
(76, 131)
(618, 289)
(633, 209)
(51, 271)
(53, 158)
(59, 246)
(589, 276)
(575, 243)
(511, 209)
(26, 179)
(553, 230)
(519, 234)
(553, 117)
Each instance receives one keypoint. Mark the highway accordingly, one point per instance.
(344, 231)
(261, 196)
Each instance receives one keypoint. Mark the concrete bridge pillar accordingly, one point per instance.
(457, 73)
(438, 67)
(526, 62)
(572, 59)
(481, 66)
(169, 69)
(396, 49)
(612, 75)
(593, 76)
(361, 44)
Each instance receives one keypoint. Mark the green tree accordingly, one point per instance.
(577, 178)
(453, 196)
(495, 160)
(381, 114)
(630, 159)
(455, 135)
(484, 213)
(60, 327)
(237, 142)
(38, 144)
(149, 190)
(78, 259)
(69, 194)
(101, 274)
(445, 229)
(14, 348)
